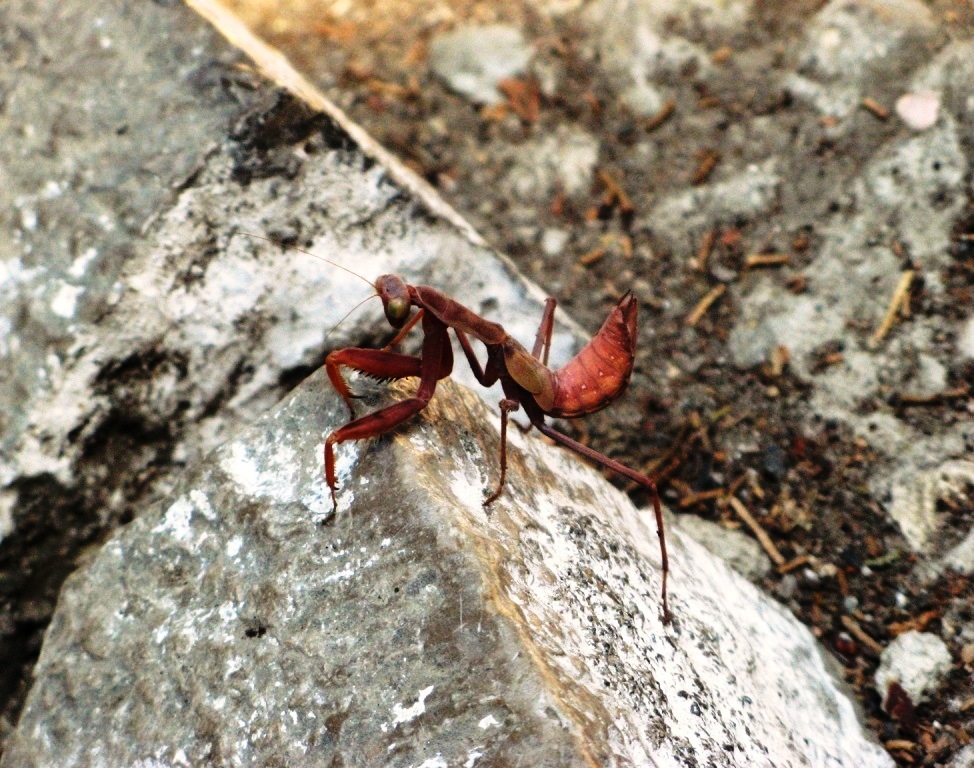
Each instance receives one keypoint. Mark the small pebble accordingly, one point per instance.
(472, 60)
(787, 586)
(774, 461)
(919, 110)
(554, 240)
(845, 645)
(918, 661)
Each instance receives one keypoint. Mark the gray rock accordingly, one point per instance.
(563, 160)
(636, 42)
(137, 328)
(914, 502)
(554, 240)
(918, 661)
(910, 191)
(737, 549)
(964, 758)
(240, 622)
(472, 60)
(951, 75)
(845, 45)
(914, 499)
(750, 191)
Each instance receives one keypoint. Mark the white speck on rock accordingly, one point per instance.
(233, 546)
(234, 663)
(918, 661)
(65, 300)
(472, 757)
(228, 612)
(487, 722)
(177, 520)
(965, 340)
(437, 761)
(554, 240)
(202, 504)
(28, 218)
(80, 265)
(402, 714)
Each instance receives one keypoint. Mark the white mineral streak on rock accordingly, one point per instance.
(268, 474)
(176, 521)
(65, 300)
(401, 714)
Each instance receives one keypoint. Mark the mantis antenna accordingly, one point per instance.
(288, 246)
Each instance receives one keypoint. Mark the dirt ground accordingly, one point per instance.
(804, 478)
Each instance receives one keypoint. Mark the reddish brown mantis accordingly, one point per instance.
(587, 383)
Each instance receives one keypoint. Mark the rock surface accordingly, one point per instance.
(112, 394)
(240, 622)
(771, 130)
(137, 327)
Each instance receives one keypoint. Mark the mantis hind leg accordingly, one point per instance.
(647, 483)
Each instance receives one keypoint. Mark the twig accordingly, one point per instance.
(615, 194)
(900, 295)
(721, 493)
(900, 745)
(795, 562)
(708, 161)
(762, 536)
(766, 260)
(695, 498)
(588, 259)
(706, 246)
(877, 109)
(860, 634)
(665, 113)
(704, 304)
(904, 400)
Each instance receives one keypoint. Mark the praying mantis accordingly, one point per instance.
(589, 382)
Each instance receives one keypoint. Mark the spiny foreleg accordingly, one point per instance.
(377, 363)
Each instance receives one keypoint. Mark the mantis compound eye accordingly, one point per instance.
(397, 310)
(394, 293)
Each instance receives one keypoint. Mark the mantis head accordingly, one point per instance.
(394, 293)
